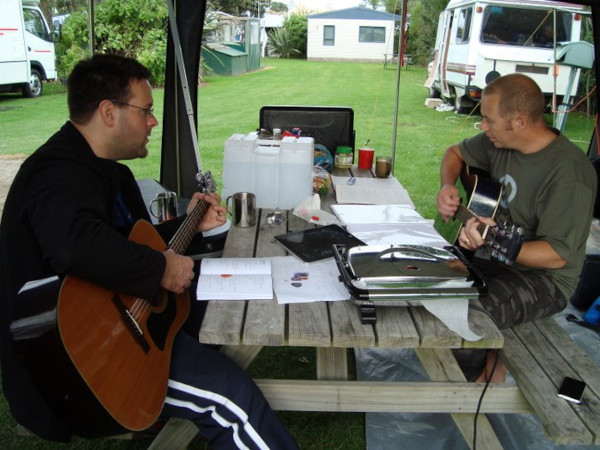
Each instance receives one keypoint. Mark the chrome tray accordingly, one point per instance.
(402, 275)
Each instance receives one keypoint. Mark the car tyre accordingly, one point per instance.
(34, 88)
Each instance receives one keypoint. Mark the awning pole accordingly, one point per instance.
(184, 82)
(397, 99)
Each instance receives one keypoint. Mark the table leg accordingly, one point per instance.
(441, 365)
(332, 363)
(243, 355)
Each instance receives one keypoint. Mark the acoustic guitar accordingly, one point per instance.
(483, 197)
(109, 370)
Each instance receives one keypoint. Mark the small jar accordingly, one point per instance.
(343, 157)
(276, 134)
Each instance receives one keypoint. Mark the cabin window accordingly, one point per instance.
(34, 24)
(371, 34)
(463, 25)
(524, 27)
(329, 35)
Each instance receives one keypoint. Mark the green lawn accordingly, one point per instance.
(230, 105)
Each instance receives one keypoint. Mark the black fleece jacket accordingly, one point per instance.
(68, 212)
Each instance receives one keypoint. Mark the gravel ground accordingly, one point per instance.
(8, 169)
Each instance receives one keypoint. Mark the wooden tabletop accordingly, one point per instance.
(323, 324)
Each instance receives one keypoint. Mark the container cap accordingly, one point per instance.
(343, 149)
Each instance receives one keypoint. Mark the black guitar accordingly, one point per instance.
(483, 198)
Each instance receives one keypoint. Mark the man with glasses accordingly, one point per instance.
(69, 212)
(549, 187)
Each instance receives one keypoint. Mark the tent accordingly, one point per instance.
(179, 159)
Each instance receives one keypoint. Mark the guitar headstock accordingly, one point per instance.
(505, 242)
(206, 182)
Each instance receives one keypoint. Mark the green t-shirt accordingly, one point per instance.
(549, 193)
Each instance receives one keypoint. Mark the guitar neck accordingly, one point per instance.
(184, 235)
(463, 214)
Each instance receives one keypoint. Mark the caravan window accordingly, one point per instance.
(521, 26)
(463, 25)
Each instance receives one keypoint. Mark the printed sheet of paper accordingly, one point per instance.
(235, 279)
(371, 191)
(297, 282)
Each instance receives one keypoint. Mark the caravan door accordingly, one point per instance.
(446, 24)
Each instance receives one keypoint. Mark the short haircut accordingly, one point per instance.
(101, 77)
(519, 94)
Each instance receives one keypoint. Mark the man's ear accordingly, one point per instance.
(520, 122)
(108, 111)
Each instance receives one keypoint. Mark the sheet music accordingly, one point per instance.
(235, 279)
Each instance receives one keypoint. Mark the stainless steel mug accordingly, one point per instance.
(383, 166)
(242, 209)
(166, 206)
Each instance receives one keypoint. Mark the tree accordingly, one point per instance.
(235, 7)
(135, 28)
(278, 7)
(297, 26)
(424, 15)
(370, 3)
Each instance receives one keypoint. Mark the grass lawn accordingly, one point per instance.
(230, 105)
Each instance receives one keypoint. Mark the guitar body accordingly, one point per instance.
(504, 240)
(127, 371)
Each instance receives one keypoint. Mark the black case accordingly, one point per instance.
(588, 288)
(327, 125)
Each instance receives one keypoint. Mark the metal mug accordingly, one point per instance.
(242, 209)
(383, 166)
(166, 205)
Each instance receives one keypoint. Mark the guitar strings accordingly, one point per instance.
(178, 244)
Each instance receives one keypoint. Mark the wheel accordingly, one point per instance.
(462, 106)
(434, 93)
(33, 89)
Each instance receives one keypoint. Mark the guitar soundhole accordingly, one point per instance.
(159, 324)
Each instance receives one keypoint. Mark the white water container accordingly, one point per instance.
(266, 183)
(278, 173)
(238, 164)
(296, 159)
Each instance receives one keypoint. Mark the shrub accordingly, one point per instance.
(280, 44)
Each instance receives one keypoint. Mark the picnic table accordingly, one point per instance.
(243, 328)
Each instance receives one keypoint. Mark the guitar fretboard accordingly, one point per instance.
(463, 214)
(184, 235)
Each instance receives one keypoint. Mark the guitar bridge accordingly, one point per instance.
(131, 323)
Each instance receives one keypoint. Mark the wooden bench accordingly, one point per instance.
(539, 355)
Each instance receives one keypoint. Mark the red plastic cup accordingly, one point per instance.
(365, 157)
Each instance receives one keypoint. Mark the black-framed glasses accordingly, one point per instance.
(148, 112)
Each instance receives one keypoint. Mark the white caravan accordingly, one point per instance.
(478, 41)
(27, 54)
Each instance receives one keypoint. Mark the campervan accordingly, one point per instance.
(480, 40)
(27, 54)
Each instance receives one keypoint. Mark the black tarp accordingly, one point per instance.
(179, 166)
(178, 161)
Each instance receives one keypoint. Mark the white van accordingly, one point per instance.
(479, 40)
(27, 55)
